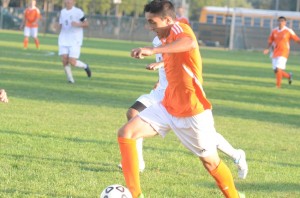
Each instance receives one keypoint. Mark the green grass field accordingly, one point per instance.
(59, 139)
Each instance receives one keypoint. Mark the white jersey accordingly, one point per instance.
(69, 35)
(163, 83)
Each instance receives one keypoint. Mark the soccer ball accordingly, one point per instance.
(115, 191)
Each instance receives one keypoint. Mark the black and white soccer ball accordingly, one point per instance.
(115, 191)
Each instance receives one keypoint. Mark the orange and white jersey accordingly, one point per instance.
(32, 15)
(184, 96)
(280, 40)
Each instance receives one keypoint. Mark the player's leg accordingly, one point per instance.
(73, 60)
(127, 135)
(146, 124)
(202, 142)
(26, 37)
(131, 113)
(237, 155)
(64, 53)
(34, 34)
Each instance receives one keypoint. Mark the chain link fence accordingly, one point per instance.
(133, 29)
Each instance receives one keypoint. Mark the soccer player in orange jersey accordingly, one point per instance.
(30, 21)
(279, 40)
(185, 109)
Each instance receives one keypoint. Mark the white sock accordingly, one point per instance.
(224, 146)
(80, 64)
(139, 147)
(68, 72)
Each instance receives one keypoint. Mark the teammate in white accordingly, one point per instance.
(71, 23)
(157, 95)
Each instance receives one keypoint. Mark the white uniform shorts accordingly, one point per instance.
(153, 97)
(31, 32)
(197, 133)
(279, 62)
(72, 51)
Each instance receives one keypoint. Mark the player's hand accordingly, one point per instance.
(154, 66)
(266, 51)
(3, 96)
(21, 27)
(139, 53)
(75, 24)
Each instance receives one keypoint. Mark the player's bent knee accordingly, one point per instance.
(131, 113)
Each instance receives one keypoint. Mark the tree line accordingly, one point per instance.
(135, 7)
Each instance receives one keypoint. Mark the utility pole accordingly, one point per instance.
(277, 5)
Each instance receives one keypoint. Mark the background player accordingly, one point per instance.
(184, 109)
(3, 96)
(71, 24)
(180, 17)
(156, 96)
(30, 21)
(279, 40)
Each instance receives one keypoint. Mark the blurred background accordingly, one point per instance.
(232, 24)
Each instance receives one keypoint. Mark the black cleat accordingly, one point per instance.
(88, 71)
(291, 78)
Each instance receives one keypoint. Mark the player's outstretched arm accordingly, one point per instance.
(3, 96)
(180, 45)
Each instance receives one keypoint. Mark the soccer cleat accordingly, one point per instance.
(71, 81)
(241, 164)
(291, 78)
(88, 71)
(241, 195)
(141, 166)
(141, 196)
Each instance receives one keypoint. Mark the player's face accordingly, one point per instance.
(33, 3)
(281, 23)
(161, 26)
(69, 3)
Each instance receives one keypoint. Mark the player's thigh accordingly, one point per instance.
(197, 133)
(26, 31)
(74, 52)
(279, 62)
(34, 32)
(157, 117)
(136, 128)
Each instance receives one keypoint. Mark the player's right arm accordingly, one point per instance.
(270, 43)
(24, 20)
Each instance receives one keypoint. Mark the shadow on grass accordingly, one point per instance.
(11, 192)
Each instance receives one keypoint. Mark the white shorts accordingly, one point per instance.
(33, 32)
(153, 97)
(279, 62)
(197, 133)
(71, 51)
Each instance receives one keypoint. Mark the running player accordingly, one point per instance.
(184, 109)
(30, 24)
(279, 40)
(156, 96)
(72, 21)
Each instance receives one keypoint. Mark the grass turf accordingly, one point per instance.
(59, 139)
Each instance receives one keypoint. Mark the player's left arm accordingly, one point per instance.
(182, 44)
(83, 23)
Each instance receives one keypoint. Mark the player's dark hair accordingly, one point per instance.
(281, 17)
(162, 8)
